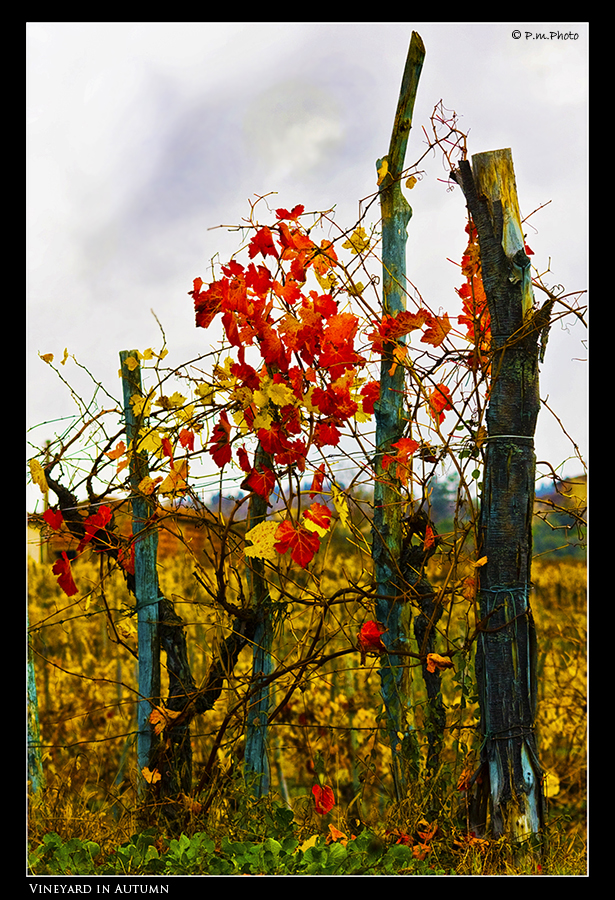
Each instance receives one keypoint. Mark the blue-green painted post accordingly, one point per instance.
(256, 762)
(387, 531)
(35, 764)
(146, 576)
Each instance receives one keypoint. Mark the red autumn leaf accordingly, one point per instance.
(371, 394)
(262, 242)
(244, 460)
(54, 518)
(167, 448)
(429, 539)
(319, 514)
(324, 799)
(303, 544)
(93, 524)
(126, 559)
(272, 349)
(262, 482)
(258, 279)
(326, 434)
(220, 448)
(391, 328)
(62, 569)
(405, 448)
(206, 303)
(369, 639)
(294, 214)
(317, 481)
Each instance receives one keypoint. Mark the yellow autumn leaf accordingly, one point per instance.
(480, 562)
(147, 485)
(46, 357)
(206, 392)
(327, 282)
(262, 420)
(281, 394)
(552, 785)
(262, 538)
(411, 182)
(141, 406)
(358, 242)
(341, 504)
(310, 842)
(38, 475)
(191, 805)
(65, 357)
(383, 169)
(151, 777)
(481, 436)
(176, 480)
(150, 442)
(356, 289)
(131, 363)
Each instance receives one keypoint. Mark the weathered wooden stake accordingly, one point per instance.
(510, 781)
(146, 576)
(388, 503)
(36, 774)
(256, 763)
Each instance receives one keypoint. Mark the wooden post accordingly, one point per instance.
(35, 764)
(387, 530)
(511, 782)
(256, 763)
(146, 576)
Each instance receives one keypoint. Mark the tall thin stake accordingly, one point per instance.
(146, 576)
(387, 531)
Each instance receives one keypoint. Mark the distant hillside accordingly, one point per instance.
(560, 517)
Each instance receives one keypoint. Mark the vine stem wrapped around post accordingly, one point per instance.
(387, 530)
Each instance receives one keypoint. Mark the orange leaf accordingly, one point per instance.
(336, 835)
(439, 400)
(439, 327)
(160, 717)
(151, 777)
(435, 661)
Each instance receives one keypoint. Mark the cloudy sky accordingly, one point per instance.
(143, 137)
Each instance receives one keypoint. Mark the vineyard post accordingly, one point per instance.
(387, 525)
(511, 782)
(35, 762)
(146, 576)
(256, 765)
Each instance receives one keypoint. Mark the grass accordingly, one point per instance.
(87, 817)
